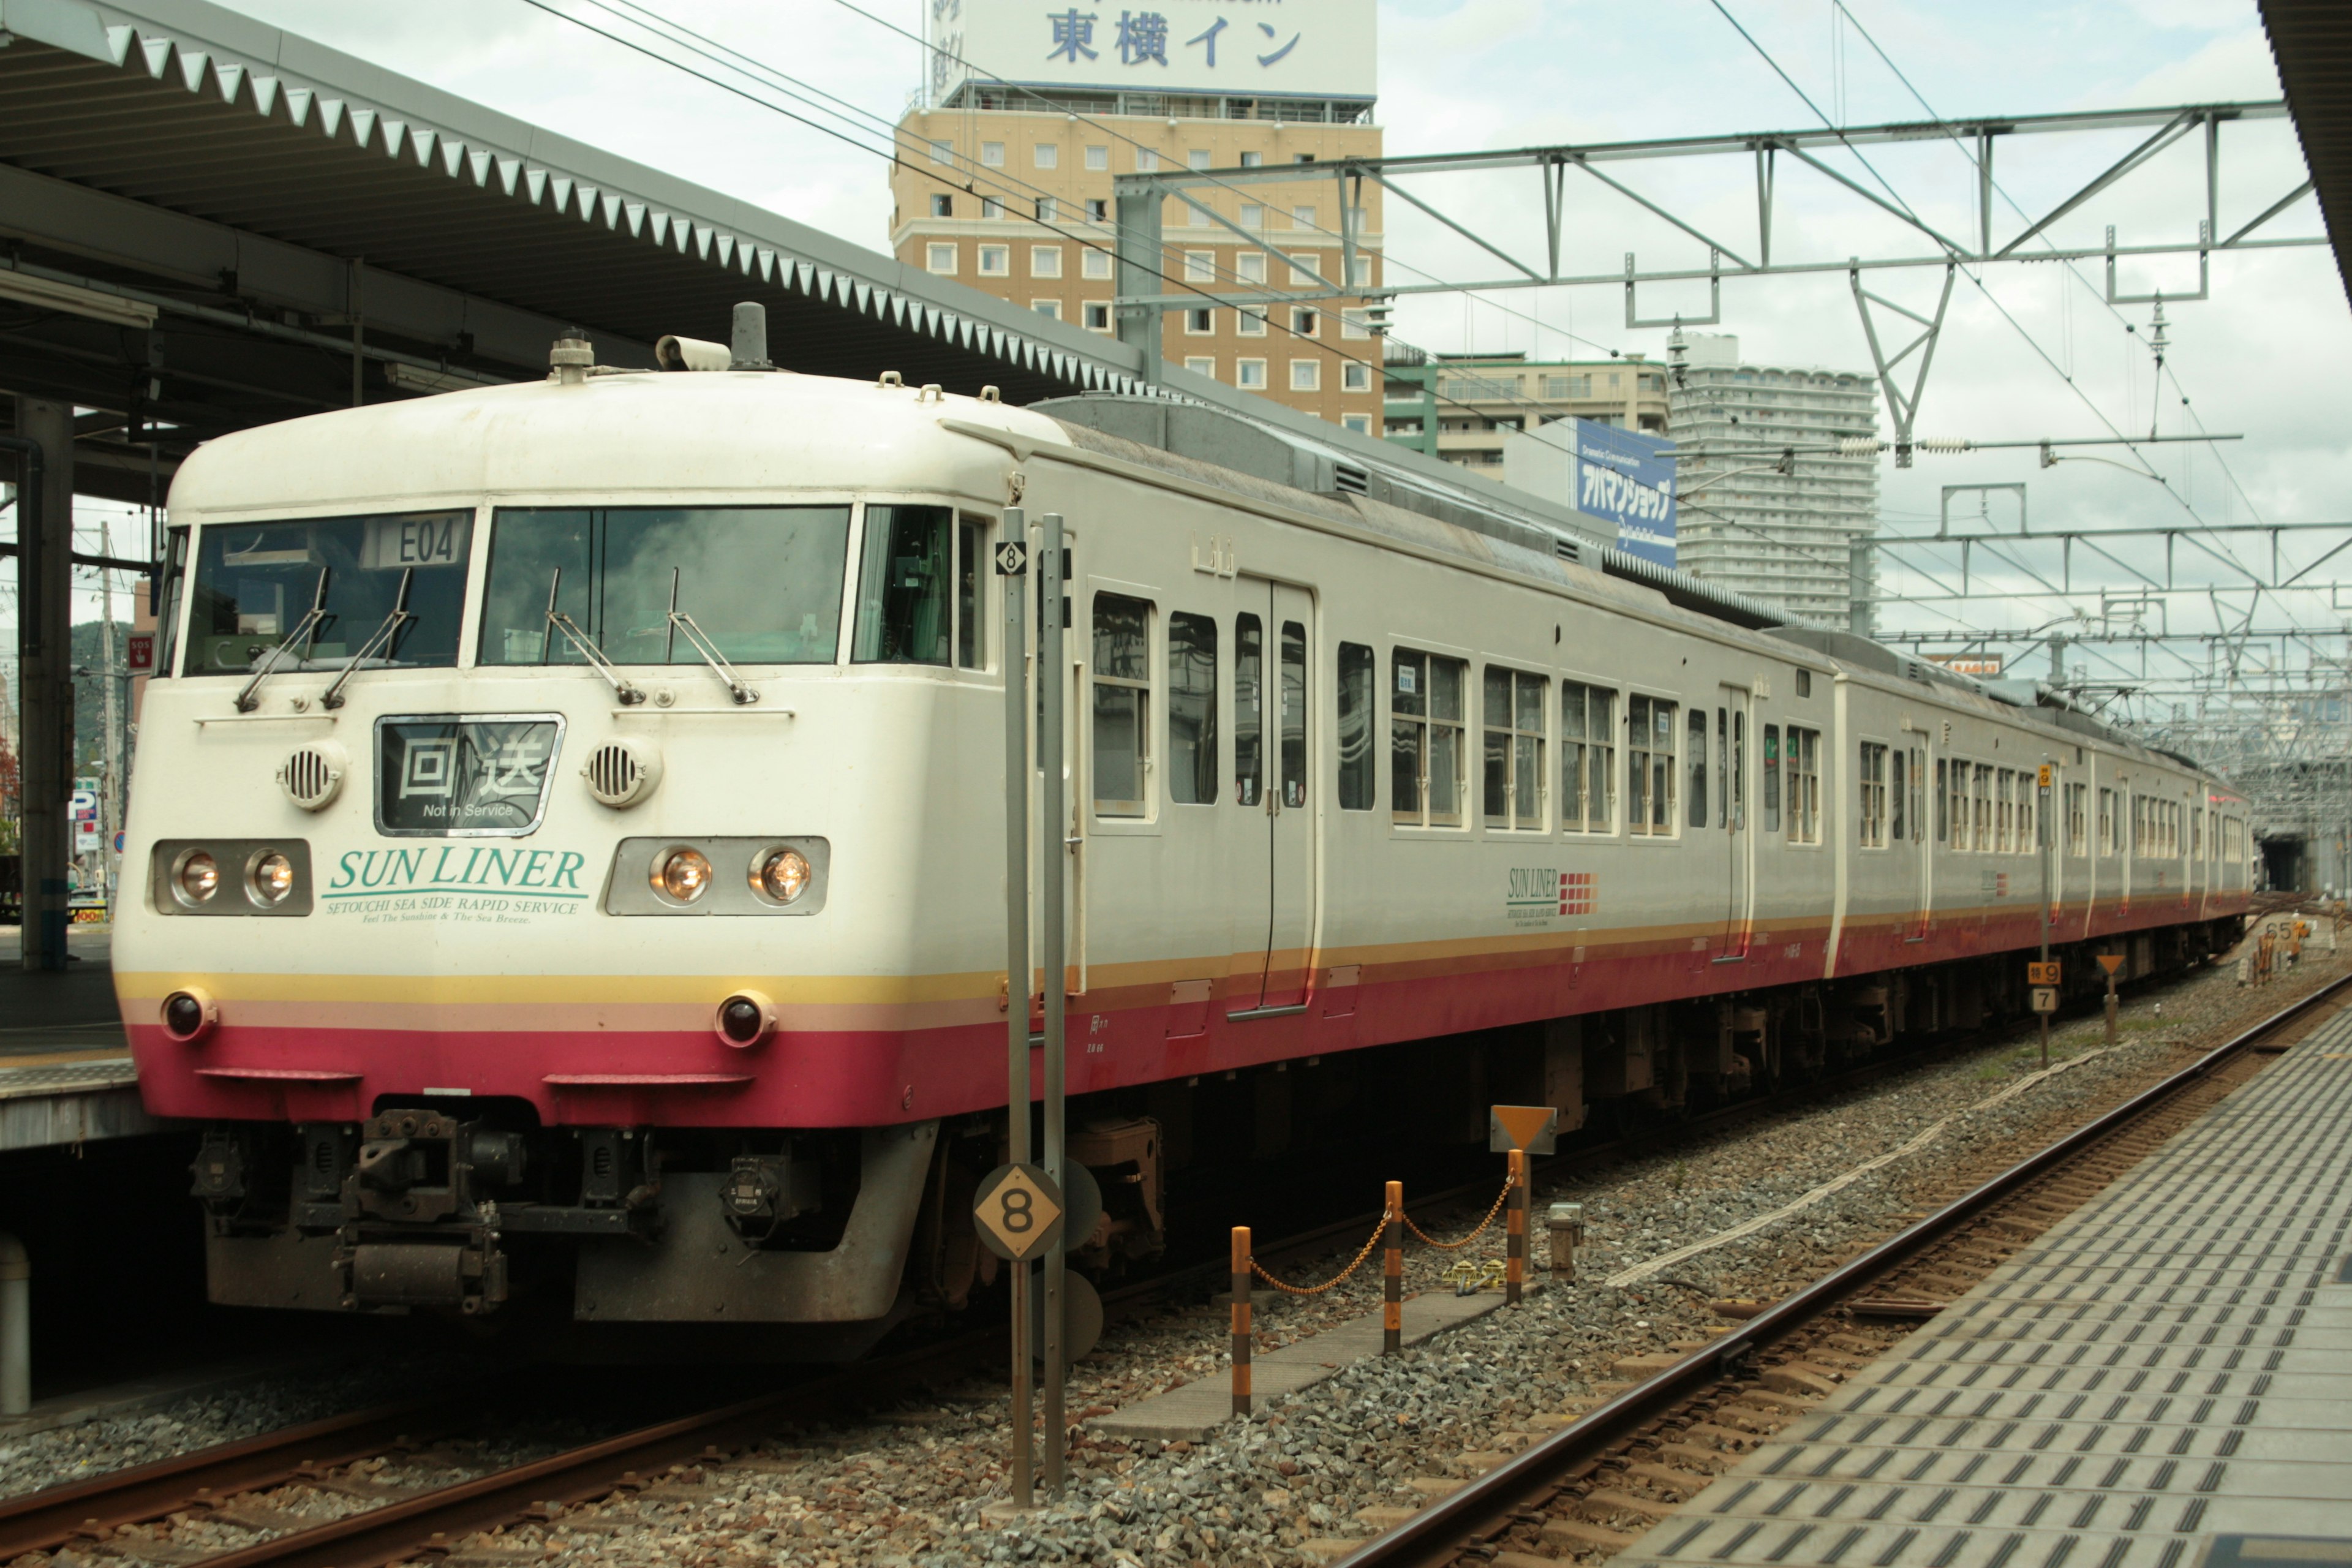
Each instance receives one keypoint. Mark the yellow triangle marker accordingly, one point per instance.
(1523, 1124)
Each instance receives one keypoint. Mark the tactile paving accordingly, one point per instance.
(2163, 1379)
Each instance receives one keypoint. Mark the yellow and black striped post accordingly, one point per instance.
(1242, 1328)
(1515, 1232)
(1393, 1268)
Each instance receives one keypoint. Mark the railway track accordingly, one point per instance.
(235, 1482)
(1608, 1473)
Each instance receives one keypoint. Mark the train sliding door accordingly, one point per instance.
(1731, 784)
(1276, 689)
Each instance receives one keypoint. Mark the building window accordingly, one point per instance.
(996, 261)
(1804, 769)
(1198, 158)
(1045, 261)
(1204, 366)
(1048, 155)
(1199, 266)
(1588, 757)
(1353, 324)
(1147, 159)
(1098, 209)
(990, 208)
(1250, 323)
(1874, 795)
(942, 152)
(1200, 324)
(1048, 308)
(1097, 263)
(1359, 272)
(1361, 424)
(1122, 704)
(1099, 158)
(1650, 765)
(940, 260)
(1098, 315)
(1355, 376)
(1252, 216)
(1302, 217)
(1306, 266)
(1250, 267)
(1250, 373)
(1425, 733)
(1048, 210)
(1193, 767)
(992, 154)
(1306, 375)
(1304, 322)
(1513, 750)
(1253, 159)
(944, 207)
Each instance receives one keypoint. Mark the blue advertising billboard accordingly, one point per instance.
(1629, 478)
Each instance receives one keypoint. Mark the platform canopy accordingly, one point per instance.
(207, 223)
(2312, 42)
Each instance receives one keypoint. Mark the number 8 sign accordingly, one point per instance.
(1018, 1212)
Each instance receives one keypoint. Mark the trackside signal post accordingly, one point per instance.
(1013, 566)
(2045, 978)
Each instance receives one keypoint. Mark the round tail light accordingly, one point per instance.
(744, 1019)
(189, 1016)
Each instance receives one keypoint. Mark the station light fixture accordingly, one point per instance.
(93, 304)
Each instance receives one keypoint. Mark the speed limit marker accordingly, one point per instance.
(1018, 1212)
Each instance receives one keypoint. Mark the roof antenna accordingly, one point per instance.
(749, 348)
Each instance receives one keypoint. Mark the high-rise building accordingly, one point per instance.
(1793, 532)
(1004, 182)
(1461, 406)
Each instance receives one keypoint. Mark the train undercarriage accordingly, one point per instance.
(473, 1210)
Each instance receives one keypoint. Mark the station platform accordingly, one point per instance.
(2161, 1380)
(65, 1067)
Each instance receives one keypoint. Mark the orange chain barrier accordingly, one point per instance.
(1317, 1290)
(1450, 1246)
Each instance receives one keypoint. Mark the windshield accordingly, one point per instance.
(763, 583)
(256, 582)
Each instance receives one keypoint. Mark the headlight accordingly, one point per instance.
(271, 878)
(682, 875)
(781, 874)
(198, 877)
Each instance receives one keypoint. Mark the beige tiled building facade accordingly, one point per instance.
(1460, 407)
(1010, 191)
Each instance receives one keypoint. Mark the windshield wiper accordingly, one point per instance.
(246, 701)
(557, 621)
(380, 639)
(679, 621)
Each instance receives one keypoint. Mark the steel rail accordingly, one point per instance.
(41, 1521)
(1486, 1507)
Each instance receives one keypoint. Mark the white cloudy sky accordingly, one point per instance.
(2266, 356)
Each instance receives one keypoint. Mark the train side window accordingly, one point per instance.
(1122, 704)
(1873, 796)
(1804, 758)
(2006, 836)
(1694, 758)
(1294, 714)
(1426, 720)
(1897, 819)
(1918, 794)
(1356, 762)
(167, 618)
(1249, 709)
(1771, 778)
(971, 597)
(1588, 757)
(1981, 809)
(1650, 765)
(1943, 803)
(1513, 747)
(902, 586)
(2078, 837)
(1191, 709)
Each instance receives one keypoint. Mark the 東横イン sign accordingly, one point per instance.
(1018, 1212)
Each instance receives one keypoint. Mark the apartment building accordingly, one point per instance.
(1799, 540)
(1016, 199)
(1460, 407)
